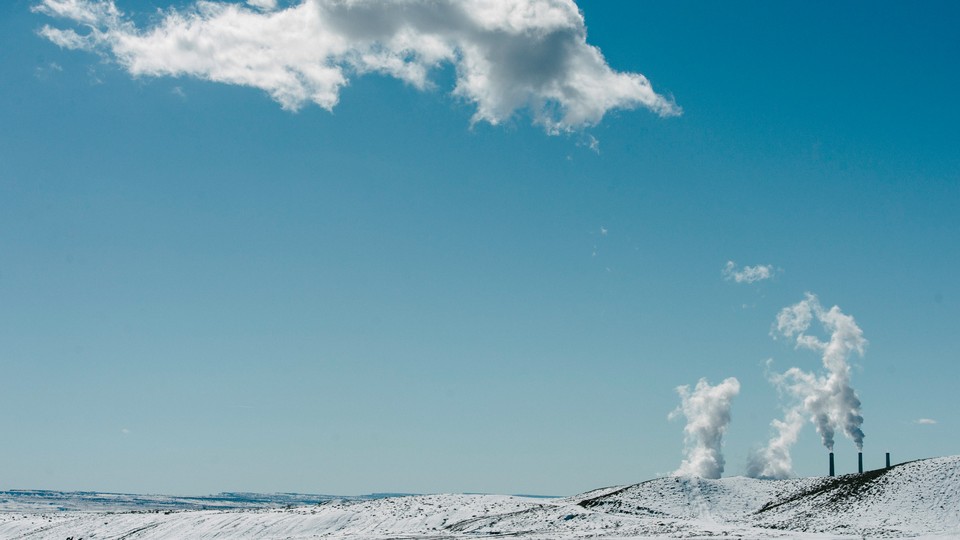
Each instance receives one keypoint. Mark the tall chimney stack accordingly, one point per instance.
(860, 462)
(888, 460)
(831, 464)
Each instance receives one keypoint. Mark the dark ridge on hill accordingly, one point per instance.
(836, 490)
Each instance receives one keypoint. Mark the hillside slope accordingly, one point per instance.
(915, 499)
(920, 497)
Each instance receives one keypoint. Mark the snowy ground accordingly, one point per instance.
(919, 499)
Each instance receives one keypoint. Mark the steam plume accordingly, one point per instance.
(773, 461)
(707, 410)
(827, 398)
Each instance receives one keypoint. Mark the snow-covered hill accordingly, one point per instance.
(921, 498)
(50, 501)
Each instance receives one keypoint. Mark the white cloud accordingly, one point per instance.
(748, 274)
(925, 421)
(509, 55)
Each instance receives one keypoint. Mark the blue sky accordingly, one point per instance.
(201, 291)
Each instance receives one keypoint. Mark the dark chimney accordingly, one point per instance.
(831, 464)
(888, 460)
(860, 462)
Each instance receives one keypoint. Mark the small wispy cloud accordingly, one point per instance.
(590, 142)
(508, 55)
(748, 274)
(925, 421)
(125, 431)
(599, 242)
(45, 71)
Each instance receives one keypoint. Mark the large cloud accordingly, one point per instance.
(508, 54)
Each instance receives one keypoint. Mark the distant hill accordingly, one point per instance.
(917, 499)
(91, 501)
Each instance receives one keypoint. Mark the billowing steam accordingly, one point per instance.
(827, 398)
(707, 410)
(773, 461)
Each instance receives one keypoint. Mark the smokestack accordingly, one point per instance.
(831, 464)
(888, 460)
(860, 462)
